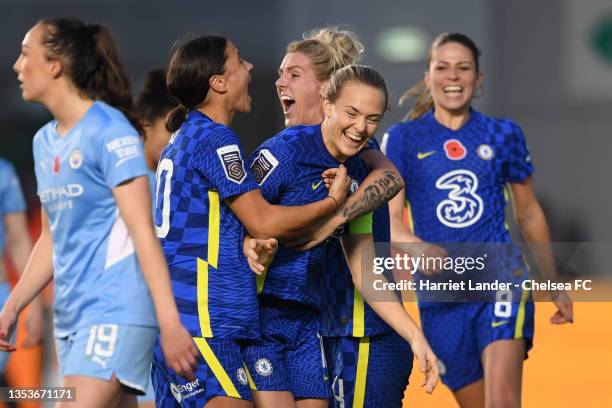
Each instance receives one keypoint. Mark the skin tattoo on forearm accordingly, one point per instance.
(374, 195)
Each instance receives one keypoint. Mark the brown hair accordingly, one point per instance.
(424, 101)
(194, 61)
(91, 59)
(329, 49)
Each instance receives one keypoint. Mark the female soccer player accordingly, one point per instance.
(204, 194)
(456, 162)
(153, 103)
(15, 237)
(353, 334)
(287, 363)
(96, 226)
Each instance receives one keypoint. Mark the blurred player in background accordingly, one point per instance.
(153, 103)
(287, 364)
(205, 196)
(96, 226)
(456, 163)
(15, 237)
(358, 344)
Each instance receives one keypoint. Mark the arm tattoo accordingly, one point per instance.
(372, 196)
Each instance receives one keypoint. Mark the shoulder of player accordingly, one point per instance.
(106, 123)
(504, 126)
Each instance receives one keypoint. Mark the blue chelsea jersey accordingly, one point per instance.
(200, 168)
(455, 179)
(456, 184)
(97, 275)
(344, 311)
(288, 168)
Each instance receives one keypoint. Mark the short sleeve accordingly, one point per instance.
(120, 155)
(270, 166)
(392, 146)
(220, 159)
(518, 166)
(11, 195)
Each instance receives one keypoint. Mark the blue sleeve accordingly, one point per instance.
(221, 160)
(373, 144)
(518, 166)
(11, 196)
(270, 165)
(120, 154)
(393, 146)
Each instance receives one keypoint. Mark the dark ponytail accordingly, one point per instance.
(424, 102)
(91, 59)
(193, 62)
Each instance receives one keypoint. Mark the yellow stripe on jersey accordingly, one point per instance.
(202, 291)
(361, 225)
(214, 220)
(216, 367)
(260, 280)
(358, 314)
(251, 382)
(520, 316)
(362, 372)
(409, 215)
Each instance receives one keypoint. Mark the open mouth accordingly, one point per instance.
(288, 103)
(453, 90)
(353, 138)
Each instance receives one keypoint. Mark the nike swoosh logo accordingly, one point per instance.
(497, 324)
(421, 156)
(316, 185)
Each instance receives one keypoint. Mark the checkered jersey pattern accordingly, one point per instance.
(203, 162)
(455, 179)
(288, 167)
(338, 299)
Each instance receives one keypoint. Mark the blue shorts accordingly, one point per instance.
(459, 332)
(368, 371)
(149, 394)
(5, 291)
(220, 373)
(102, 350)
(289, 357)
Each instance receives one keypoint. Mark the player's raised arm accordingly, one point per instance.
(264, 220)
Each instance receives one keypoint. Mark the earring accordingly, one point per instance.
(479, 91)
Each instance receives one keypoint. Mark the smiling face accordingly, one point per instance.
(238, 75)
(34, 70)
(299, 91)
(452, 77)
(352, 119)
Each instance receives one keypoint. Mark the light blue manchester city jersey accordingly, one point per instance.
(97, 275)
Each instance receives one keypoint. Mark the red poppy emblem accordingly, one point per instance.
(56, 165)
(454, 149)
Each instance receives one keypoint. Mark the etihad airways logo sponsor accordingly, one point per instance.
(61, 192)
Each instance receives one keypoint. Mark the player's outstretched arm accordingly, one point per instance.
(382, 183)
(386, 305)
(37, 273)
(134, 203)
(532, 222)
(263, 220)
